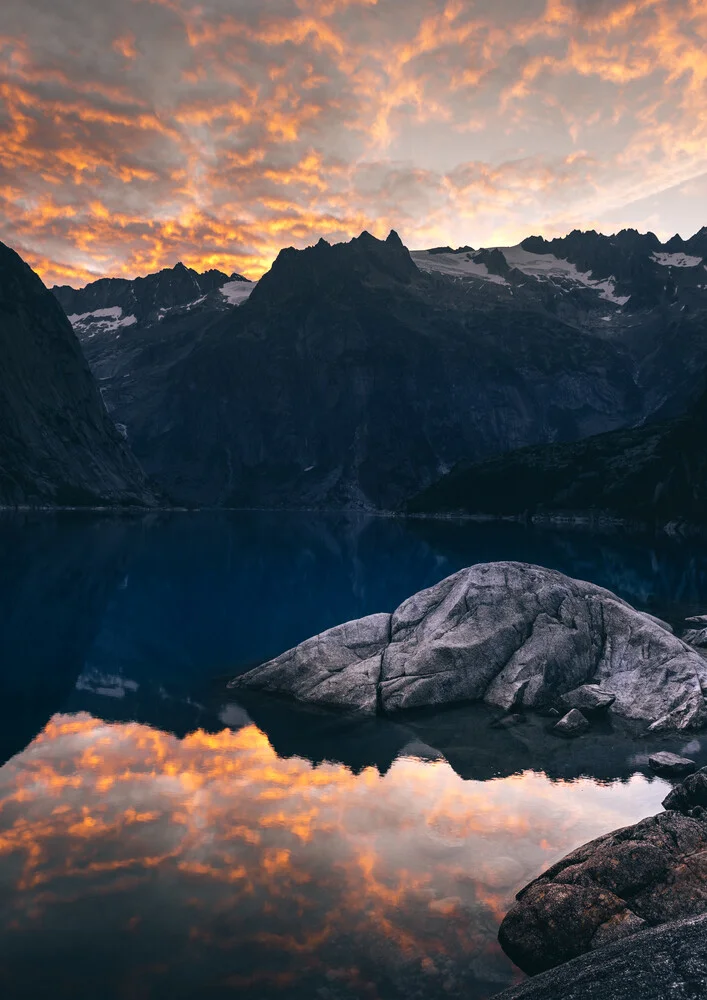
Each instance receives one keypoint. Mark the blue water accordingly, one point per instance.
(160, 840)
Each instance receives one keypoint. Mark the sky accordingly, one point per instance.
(136, 133)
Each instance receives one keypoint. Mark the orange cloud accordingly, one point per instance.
(227, 136)
(277, 864)
(125, 46)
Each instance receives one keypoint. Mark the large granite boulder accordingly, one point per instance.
(510, 634)
(664, 962)
(645, 875)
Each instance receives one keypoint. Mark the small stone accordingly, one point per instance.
(697, 620)
(589, 698)
(690, 794)
(670, 764)
(573, 724)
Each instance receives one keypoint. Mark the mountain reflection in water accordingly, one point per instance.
(137, 864)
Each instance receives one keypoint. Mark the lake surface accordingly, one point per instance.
(159, 839)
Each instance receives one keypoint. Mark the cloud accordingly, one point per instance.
(136, 134)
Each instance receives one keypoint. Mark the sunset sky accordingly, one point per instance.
(135, 133)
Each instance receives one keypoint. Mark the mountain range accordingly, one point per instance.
(363, 375)
(359, 374)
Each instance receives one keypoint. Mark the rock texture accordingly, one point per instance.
(510, 634)
(696, 637)
(657, 964)
(58, 445)
(644, 875)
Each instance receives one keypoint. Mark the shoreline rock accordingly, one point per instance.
(646, 875)
(510, 634)
(671, 764)
(667, 961)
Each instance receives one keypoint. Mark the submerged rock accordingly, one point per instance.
(671, 764)
(510, 634)
(644, 875)
(572, 724)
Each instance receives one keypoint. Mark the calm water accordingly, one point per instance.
(158, 840)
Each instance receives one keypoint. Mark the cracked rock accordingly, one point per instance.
(510, 634)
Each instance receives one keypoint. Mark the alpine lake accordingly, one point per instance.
(161, 839)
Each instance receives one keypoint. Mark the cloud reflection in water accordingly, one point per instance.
(137, 864)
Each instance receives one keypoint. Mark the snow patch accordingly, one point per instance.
(101, 320)
(115, 312)
(455, 265)
(676, 260)
(546, 267)
(236, 292)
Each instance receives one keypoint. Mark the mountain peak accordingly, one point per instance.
(362, 258)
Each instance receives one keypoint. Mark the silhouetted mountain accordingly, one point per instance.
(141, 297)
(57, 443)
(353, 377)
(653, 474)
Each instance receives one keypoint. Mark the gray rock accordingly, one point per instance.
(696, 637)
(572, 724)
(671, 764)
(667, 961)
(341, 667)
(645, 875)
(589, 698)
(510, 634)
(697, 620)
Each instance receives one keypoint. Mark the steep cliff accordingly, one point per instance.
(58, 445)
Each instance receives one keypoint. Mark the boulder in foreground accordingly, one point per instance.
(645, 875)
(509, 634)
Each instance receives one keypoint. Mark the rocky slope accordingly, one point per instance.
(57, 444)
(509, 634)
(654, 474)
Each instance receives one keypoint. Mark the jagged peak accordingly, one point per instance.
(363, 257)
